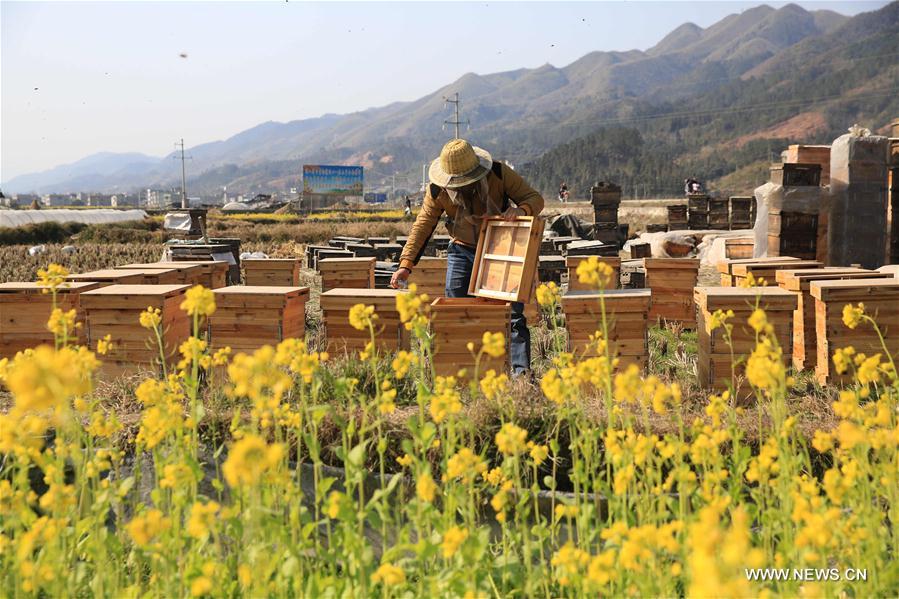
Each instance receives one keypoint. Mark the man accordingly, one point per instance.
(468, 186)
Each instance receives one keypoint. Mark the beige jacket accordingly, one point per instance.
(504, 185)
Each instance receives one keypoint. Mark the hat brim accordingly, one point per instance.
(441, 178)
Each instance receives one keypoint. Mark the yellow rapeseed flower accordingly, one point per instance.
(595, 273)
(249, 459)
(144, 528)
(199, 301)
(53, 277)
(493, 385)
(151, 318)
(202, 519)
(452, 540)
(465, 465)
(403, 361)
(548, 295)
(362, 317)
(511, 439)
(852, 317)
(494, 344)
(425, 488)
(104, 345)
(389, 575)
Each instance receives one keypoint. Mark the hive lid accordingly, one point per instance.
(505, 264)
(726, 265)
(180, 266)
(99, 275)
(270, 260)
(744, 299)
(149, 290)
(691, 263)
(856, 290)
(361, 294)
(261, 290)
(29, 287)
(743, 269)
(794, 279)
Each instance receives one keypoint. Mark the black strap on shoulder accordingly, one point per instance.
(435, 190)
(497, 169)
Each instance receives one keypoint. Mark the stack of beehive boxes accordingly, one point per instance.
(457, 321)
(627, 316)
(574, 283)
(347, 273)
(248, 317)
(278, 272)
(716, 357)
(429, 276)
(390, 336)
(698, 211)
(606, 199)
(719, 217)
(741, 212)
(677, 217)
(794, 213)
(805, 351)
(803, 154)
(739, 248)
(25, 310)
(881, 299)
(672, 281)
(115, 311)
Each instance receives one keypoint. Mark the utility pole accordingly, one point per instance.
(424, 179)
(184, 204)
(456, 106)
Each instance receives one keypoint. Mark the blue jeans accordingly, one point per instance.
(459, 264)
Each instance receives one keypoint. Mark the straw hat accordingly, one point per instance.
(459, 164)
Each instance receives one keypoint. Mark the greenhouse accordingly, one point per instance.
(20, 218)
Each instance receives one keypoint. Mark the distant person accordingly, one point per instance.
(468, 185)
(563, 192)
(408, 204)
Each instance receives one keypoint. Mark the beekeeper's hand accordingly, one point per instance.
(398, 280)
(513, 212)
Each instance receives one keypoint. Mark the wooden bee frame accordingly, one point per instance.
(505, 264)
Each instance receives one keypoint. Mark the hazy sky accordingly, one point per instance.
(79, 78)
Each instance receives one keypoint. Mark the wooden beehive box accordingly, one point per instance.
(805, 351)
(25, 310)
(574, 284)
(672, 281)
(739, 248)
(627, 315)
(457, 321)
(342, 337)
(157, 276)
(715, 357)
(186, 274)
(725, 267)
(247, 317)
(347, 273)
(505, 264)
(213, 273)
(429, 276)
(767, 268)
(881, 299)
(109, 276)
(115, 310)
(279, 272)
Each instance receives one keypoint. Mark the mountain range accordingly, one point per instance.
(717, 100)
